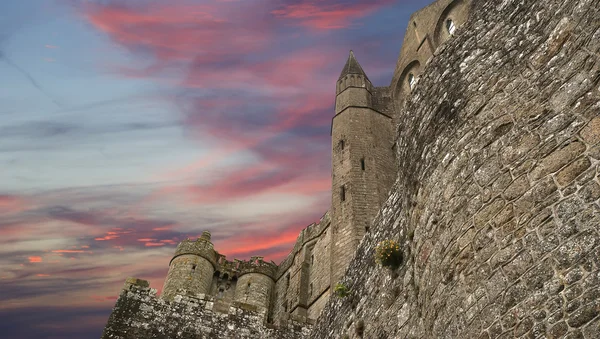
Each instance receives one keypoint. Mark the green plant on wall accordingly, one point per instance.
(341, 290)
(388, 254)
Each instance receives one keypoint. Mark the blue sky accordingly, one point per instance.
(127, 126)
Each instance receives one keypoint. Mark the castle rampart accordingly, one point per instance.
(496, 202)
(138, 313)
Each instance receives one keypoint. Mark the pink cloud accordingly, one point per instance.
(50, 46)
(12, 204)
(323, 16)
(179, 32)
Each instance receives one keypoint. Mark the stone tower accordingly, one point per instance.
(192, 268)
(255, 283)
(362, 156)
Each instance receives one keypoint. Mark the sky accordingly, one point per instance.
(127, 126)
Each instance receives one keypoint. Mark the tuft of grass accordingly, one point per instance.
(341, 290)
(388, 254)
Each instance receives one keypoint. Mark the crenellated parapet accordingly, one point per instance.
(201, 247)
(257, 265)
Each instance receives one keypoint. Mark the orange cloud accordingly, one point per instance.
(154, 244)
(71, 251)
(43, 275)
(35, 259)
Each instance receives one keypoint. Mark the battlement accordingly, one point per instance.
(257, 265)
(201, 247)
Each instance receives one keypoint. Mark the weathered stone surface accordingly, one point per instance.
(569, 173)
(519, 206)
(139, 314)
(591, 132)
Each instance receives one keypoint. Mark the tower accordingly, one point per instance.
(362, 162)
(192, 268)
(255, 283)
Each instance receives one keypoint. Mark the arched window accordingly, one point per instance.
(411, 81)
(450, 27)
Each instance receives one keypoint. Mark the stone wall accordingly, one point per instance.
(254, 289)
(307, 265)
(496, 202)
(425, 32)
(139, 314)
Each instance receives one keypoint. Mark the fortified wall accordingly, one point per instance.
(496, 200)
(480, 158)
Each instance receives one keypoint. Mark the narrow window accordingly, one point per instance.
(249, 285)
(411, 80)
(193, 267)
(311, 290)
(312, 259)
(367, 228)
(285, 306)
(287, 280)
(342, 144)
(220, 294)
(343, 193)
(450, 27)
(362, 164)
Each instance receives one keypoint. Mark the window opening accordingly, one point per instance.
(343, 193)
(342, 144)
(411, 80)
(362, 164)
(287, 280)
(311, 290)
(450, 27)
(193, 267)
(312, 259)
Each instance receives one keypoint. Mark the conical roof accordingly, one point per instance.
(352, 67)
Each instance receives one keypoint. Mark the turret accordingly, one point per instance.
(191, 269)
(354, 89)
(255, 282)
(362, 163)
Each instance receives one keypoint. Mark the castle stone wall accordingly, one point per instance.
(294, 298)
(188, 272)
(255, 289)
(496, 202)
(425, 32)
(139, 314)
(364, 169)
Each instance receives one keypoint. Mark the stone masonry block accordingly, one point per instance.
(591, 132)
(557, 160)
(569, 173)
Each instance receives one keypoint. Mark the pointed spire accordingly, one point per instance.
(352, 67)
